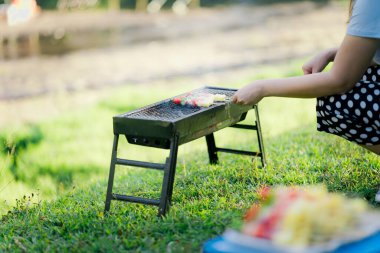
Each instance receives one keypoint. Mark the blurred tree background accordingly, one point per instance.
(131, 4)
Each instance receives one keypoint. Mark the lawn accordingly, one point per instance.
(61, 167)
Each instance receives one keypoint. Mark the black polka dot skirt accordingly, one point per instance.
(354, 115)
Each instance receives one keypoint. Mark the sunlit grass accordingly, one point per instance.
(73, 148)
(66, 158)
(207, 198)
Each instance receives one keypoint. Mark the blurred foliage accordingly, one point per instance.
(47, 4)
(15, 145)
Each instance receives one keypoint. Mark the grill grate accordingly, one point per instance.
(164, 111)
(168, 110)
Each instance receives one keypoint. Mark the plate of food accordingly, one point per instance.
(302, 219)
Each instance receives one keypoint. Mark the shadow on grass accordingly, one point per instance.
(64, 175)
(14, 146)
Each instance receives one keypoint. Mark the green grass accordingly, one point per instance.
(56, 154)
(206, 200)
(58, 171)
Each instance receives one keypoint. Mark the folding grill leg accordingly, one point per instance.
(112, 173)
(173, 164)
(213, 150)
(168, 180)
(260, 137)
(211, 147)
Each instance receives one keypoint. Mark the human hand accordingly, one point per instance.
(248, 95)
(319, 62)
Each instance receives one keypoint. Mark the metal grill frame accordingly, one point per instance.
(146, 132)
(189, 110)
(170, 131)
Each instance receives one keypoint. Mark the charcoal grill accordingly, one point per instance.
(166, 125)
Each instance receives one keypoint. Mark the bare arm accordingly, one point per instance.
(352, 59)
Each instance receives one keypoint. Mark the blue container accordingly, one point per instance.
(370, 244)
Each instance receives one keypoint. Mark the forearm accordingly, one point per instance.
(307, 86)
(350, 62)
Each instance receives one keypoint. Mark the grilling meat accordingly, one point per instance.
(199, 99)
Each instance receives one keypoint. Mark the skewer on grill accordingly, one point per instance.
(199, 100)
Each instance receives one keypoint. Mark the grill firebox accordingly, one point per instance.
(167, 125)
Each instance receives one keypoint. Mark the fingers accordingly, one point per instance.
(236, 100)
(311, 70)
(239, 101)
(316, 65)
(248, 95)
(307, 70)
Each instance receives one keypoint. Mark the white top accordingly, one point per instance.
(365, 22)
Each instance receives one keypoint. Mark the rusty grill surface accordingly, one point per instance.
(167, 110)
